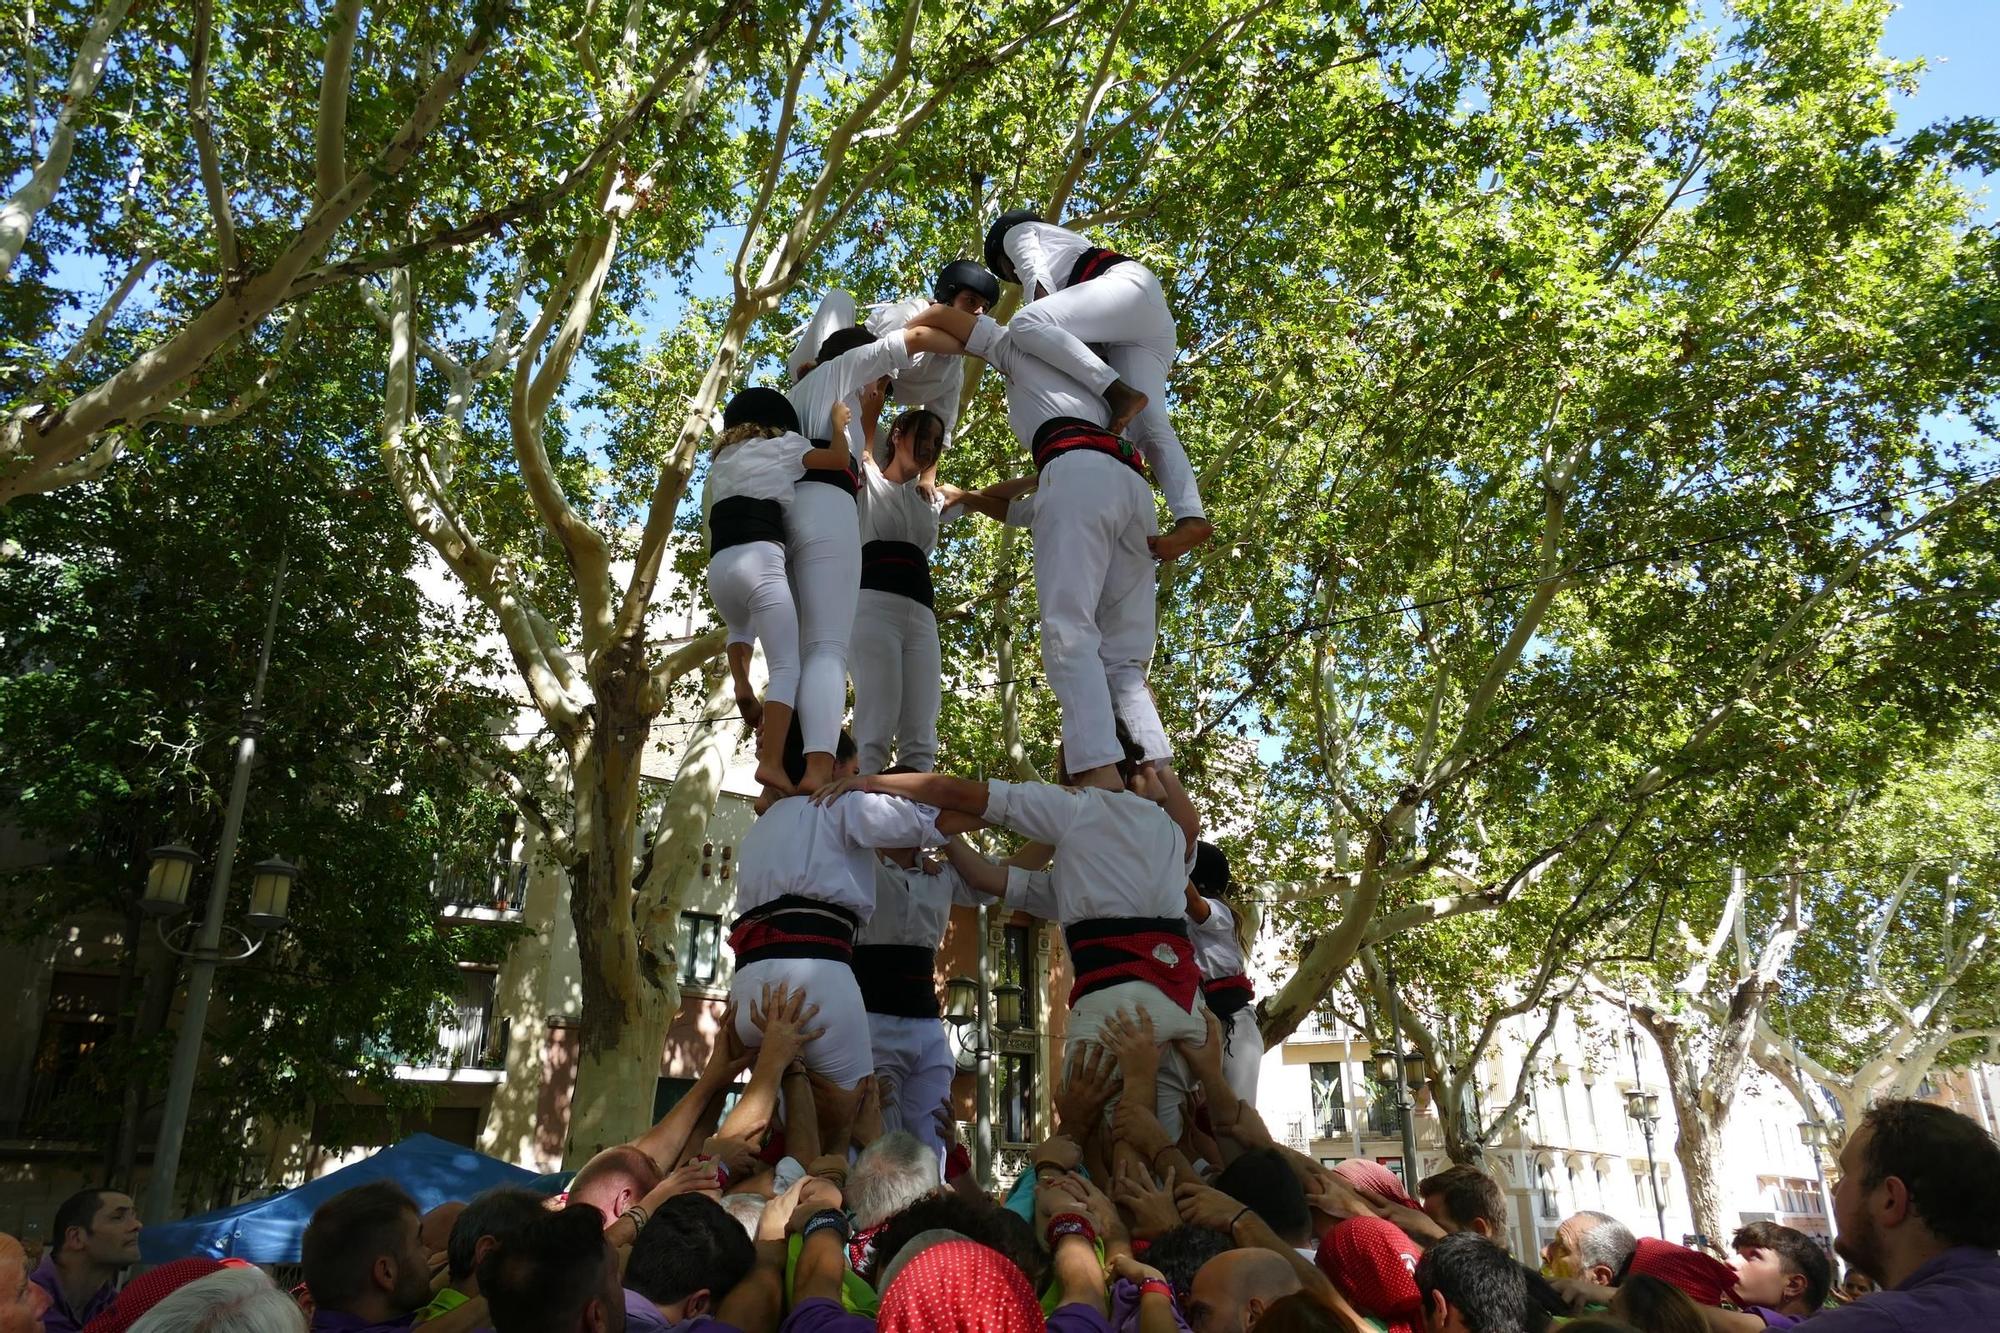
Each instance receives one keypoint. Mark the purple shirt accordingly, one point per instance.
(820, 1315)
(335, 1321)
(1957, 1291)
(1774, 1318)
(59, 1318)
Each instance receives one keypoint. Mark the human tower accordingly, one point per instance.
(822, 521)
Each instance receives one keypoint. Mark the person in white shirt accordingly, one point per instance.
(823, 546)
(1116, 884)
(893, 654)
(1222, 929)
(805, 885)
(929, 381)
(1075, 294)
(895, 962)
(1093, 515)
(756, 461)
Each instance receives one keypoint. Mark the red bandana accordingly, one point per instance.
(1374, 1264)
(960, 1286)
(1708, 1280)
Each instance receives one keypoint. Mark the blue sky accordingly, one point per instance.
(1961, 40)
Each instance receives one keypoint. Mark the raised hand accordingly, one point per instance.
(734, 1156)
(1205, 1206)
(692, 1176)
(1090, 1080)
(787, 1022)
(1149, 1208)
(1132, 1042)
(1205, 1059)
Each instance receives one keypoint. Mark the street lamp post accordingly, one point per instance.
(1406, 1073)
(1644, 1107)
(1813, 1134)
(207, 951)
(968, 1011)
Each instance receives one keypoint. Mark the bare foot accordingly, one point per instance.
(1185, 535)
(819, 772)
(751, 709)
(772, 777)
(1125, 403)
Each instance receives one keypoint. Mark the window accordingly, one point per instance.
(700, 948)
(1017, 964)
(470, 1037)
(1383, 1119)
(1395, 1165)
(1545, 1189)
(66, 1085)
(1329, 1108)
(1017, 1098)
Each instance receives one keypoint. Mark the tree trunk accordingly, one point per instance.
(1699, 1149)
(626, 932)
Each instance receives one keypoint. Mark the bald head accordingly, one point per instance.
(21, 1301)
(614, 1180)
(1231, 1291)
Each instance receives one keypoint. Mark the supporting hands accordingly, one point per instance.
(1205, 1206)
(1132, 1042)
(839, 786)
(786, 1021)
(1089, 1082)
(1149, 1206)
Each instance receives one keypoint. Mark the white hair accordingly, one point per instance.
(890, 1174)
(235, 1300)
(748, 1209)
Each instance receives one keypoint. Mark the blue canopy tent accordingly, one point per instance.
(267, 1231)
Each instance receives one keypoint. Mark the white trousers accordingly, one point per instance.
(1125, 312)
(1094, 580)
(897, 681)
(835, 311)
(747, 583)
(1170, 1023)
(841, 1055)
(913, 1069)
(823, 557)
(1242, 1053)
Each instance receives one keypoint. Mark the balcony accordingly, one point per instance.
(1329, 1122)
(472, 1040)
(497, 893)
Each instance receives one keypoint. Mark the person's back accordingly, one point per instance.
(235, 1300)
(558, 1275)
(1914, 1210)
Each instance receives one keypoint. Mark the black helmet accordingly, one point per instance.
(1210, 875)
(996, 240)
(962, 275)
(760, 406)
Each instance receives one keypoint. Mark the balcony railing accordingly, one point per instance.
(472, 1037)
(502, 887)
(1330, 1123)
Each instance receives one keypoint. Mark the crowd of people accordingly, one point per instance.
(719, 1228)
(828, 1195)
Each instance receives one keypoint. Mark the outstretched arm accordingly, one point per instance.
(956, 324)
(980, 875)
(667, 1141)
(935, 789)
(992, 501)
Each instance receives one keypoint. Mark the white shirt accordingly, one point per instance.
(840, 380)
(1043, 253)
(1215, 951)
(899, 511)
(912, 907)
(1036, 390)
(825, 852)
(932, 380)
(759, 469)
(1117, 854)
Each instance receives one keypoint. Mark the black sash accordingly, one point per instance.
(897, 980)
(738, 520)
(898, 567)
(1094, 262)
(1227, 996)
(842, 478)
(1063, 435)
(794, 926)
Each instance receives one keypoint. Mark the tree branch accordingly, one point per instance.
(26, 203)
(221, 219)
(336, 81)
